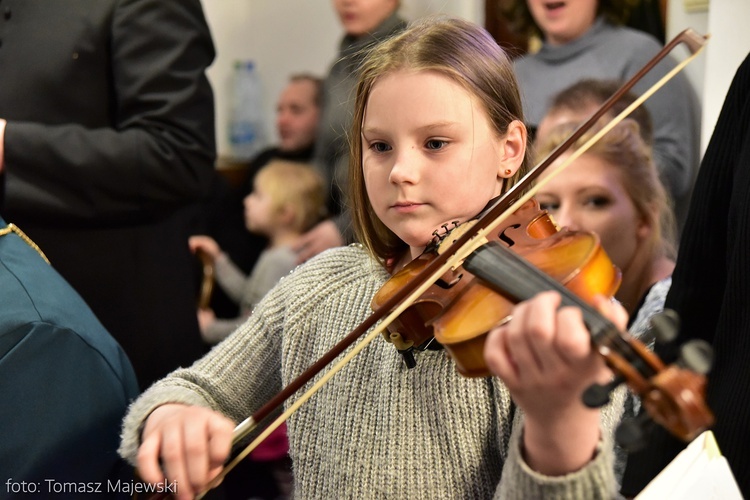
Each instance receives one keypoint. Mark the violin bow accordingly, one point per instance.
(453, 254)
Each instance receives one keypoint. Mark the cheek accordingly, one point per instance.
(619, 240)
(373, 186)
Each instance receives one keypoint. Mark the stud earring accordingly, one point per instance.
(508, 172)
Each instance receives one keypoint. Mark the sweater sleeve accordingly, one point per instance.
(223, 380)
(596, 480)
(230, 277)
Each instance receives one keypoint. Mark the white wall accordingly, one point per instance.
(284, 37)
(289, 36)
(727, 48)
(711, 73)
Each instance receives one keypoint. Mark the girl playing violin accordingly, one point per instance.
(438, 132)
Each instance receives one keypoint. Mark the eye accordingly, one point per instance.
(598, 202)
(550, 206)
(380, 147)
(435, 144)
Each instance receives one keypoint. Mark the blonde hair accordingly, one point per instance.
(458, 49)
(296, 185)
(624, 148)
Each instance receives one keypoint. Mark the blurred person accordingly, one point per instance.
(65, 383)
(287, 199)
(106, 122)
(365, 23)
(613, 190)
(297, 124)
(586, 39)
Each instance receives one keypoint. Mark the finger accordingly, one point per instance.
(498, 358)
(173, 460)
(574, 341)
(219, 442)
(531, 338)
(148, 460)
(301, 243)
(612, 310)
(195, 439)
(305, 253)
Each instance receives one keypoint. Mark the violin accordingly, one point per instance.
(527, 256)
(458, 311)
(674, 396)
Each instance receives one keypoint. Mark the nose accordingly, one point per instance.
(281, 118)
(566, 217)
(405, 168)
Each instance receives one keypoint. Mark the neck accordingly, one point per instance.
(283, 237)
(641, 275)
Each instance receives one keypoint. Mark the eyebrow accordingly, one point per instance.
(425, 128)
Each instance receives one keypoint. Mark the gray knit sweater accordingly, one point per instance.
(377, 429)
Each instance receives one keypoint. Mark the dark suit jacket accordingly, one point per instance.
(64, 381)
(109, 147)
(710, 291)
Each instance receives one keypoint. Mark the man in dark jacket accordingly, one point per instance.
(106, 120)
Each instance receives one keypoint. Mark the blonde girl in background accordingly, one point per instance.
(287, 199)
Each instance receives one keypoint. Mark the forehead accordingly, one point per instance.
(299, 90)
(589, 169)
(419, 95)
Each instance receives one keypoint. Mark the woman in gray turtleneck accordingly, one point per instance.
(583, 39)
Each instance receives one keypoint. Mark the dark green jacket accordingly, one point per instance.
(64, 381)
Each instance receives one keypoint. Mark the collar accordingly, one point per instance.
(560, 53)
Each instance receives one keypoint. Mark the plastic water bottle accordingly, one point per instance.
(246, 122)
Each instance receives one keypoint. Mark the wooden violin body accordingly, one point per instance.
(458, 310)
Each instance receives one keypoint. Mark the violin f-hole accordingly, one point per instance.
(507, 239)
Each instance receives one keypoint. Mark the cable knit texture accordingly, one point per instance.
(377, 429)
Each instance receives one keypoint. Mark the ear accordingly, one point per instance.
(286, 214)
(512, 149)
(645, 225)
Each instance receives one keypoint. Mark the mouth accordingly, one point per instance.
(406, 206)
(554, 6)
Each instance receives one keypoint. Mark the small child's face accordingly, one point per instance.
(259, 217)
(429, 154)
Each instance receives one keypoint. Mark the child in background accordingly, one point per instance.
(287, 199)
(438, 132)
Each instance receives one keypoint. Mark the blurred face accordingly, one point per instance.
(359, 17)
(297, 116)
(259, 212)
(589, 196)
(429, 154)
(563, 21)
(556, 118)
